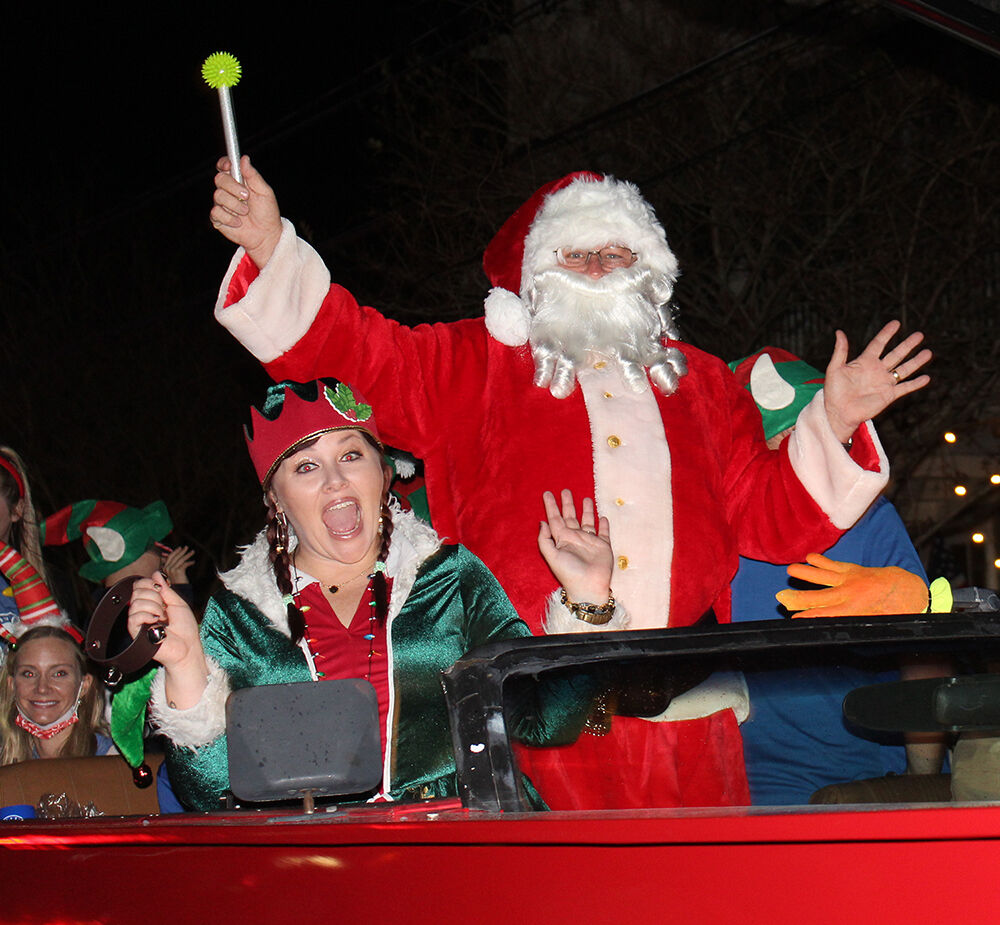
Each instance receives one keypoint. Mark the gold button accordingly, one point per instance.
(614, 441)
(618, 501)
(600, 364)
(608, 395)
(623, 562)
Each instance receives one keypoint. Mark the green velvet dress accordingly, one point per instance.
(454, 605)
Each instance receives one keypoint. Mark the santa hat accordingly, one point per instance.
(582, 209)
(294, 412)
(781, 384)
(114, 534)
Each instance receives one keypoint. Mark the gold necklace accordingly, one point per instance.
(333, 589)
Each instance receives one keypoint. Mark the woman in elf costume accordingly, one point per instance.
(340, 584)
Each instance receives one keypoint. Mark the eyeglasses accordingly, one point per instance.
(611, 257)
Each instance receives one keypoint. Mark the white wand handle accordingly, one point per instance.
(229, 130)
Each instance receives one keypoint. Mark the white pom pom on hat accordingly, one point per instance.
(507, 319)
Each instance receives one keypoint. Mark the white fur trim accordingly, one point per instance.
(413, 541)
(507, 319)
(281, 303)
(61, 621)
(253, 580)
(200, 725)
(837, 484)
(560, 619)
(637, 472)
(591, 214)
(724, 690)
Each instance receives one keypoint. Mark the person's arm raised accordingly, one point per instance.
(246, 213)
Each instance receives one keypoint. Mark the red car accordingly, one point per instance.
(493, 860)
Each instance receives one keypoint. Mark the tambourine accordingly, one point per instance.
(137, 654)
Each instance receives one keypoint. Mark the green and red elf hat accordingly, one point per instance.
(781, 384)
(294, 412)
(114, 535)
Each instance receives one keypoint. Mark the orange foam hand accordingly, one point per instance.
(853, 590)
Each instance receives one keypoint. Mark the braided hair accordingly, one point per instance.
(281, 562)
(380, 584)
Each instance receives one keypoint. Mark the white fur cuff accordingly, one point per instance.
(724, 690)
(281, 304)
(836, 482)
(560, 619)
(203, 723)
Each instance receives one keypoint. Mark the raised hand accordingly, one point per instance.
(863, 388)
(246, 213)
(176, 563)
(577, 551)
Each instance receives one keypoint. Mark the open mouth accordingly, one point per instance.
(342, 518)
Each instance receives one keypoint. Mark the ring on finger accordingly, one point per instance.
(895, 374)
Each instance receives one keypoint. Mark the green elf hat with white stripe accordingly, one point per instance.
(114, 535)
(781, 384)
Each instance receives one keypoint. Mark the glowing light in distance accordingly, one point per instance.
(949, 437)
(960, 490)
(995, 478)
(978, 538)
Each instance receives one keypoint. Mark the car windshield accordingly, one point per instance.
(822, 715)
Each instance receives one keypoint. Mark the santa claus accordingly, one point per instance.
(575, 380)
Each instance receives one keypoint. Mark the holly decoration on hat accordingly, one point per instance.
(344, 402)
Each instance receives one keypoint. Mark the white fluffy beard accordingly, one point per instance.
(622, 315)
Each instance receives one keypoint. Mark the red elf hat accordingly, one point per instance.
(294, 412)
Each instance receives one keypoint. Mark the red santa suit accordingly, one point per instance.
(685, 480)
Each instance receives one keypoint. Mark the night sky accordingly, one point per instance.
(119, 384)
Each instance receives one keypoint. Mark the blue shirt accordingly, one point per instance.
(796, 740)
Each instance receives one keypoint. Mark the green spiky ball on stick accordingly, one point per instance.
(222, 71)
